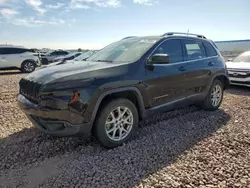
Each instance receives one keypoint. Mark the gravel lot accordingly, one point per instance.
(183, 148)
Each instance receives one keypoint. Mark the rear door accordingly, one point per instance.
(198, 72)
(13, 57)
(166, 82)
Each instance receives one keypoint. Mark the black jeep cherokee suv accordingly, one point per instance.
(122, 83)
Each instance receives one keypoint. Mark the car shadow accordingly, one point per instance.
(4, 72)
(155, 146)
(238, 90)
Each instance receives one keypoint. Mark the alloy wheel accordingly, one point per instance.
(119, 123)
(216, 95)
(29, 67)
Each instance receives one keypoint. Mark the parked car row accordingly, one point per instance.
(126, 81)
(72, 57)
(26, 60)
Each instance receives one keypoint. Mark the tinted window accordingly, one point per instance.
(19, 50)
(172, 48)
(210, 49)
(194, 49)
(8, 50)
(53, 53)
(62, 53)
(1, 51)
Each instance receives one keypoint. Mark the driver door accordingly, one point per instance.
(166, 82)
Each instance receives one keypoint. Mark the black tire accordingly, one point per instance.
(100, 124)
(207, 104)
(31, 64)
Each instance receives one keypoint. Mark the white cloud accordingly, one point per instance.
(55, 6)
(36, 5)
(86, 4)
(146, 2)
(109, 3)
(8, 13)
(32, 22)
(77, 5)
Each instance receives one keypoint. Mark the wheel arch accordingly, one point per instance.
(29, 60)
(223, 78)
(131, 93)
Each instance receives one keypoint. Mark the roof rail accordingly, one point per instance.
(187, 34)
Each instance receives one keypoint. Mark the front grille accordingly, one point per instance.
(30, 89)
(239, 73)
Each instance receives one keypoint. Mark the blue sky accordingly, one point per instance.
(95, 23)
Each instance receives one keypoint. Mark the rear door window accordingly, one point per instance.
(194, 49)
(210, 49)
(8, 51)
(1, 51)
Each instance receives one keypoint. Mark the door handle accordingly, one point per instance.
(211, 63)
(182, 69)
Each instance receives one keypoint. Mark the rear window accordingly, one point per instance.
(209, 49)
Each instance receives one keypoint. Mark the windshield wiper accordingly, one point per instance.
(108, 61)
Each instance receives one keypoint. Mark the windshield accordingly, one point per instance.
(245, 57)
(84, 56)
(72, 54)
(124, 50)
(48, 53)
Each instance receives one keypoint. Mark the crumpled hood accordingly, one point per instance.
(74, 70)
(238, 65)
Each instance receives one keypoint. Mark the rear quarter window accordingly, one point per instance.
(209, 49)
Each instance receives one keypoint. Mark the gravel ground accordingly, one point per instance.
(183, 148)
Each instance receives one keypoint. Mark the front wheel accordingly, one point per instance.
(116, 122)
(28, 66)
(214, 97)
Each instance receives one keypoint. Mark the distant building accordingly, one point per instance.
(233, 46)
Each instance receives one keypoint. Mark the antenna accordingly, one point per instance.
(187, 32)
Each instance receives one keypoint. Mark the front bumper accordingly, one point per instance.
(54, 122)
(240, 81)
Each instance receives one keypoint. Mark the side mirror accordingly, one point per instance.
(158, 59)
(230, 60)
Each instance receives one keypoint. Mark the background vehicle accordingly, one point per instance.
(50, 56)
(82, 57)
(239, 69)
(85, 55)
(123, 83)
(16, 57)
(70, 56)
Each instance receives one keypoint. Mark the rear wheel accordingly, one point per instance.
(116, 122)
(214, 97)
(28, 66)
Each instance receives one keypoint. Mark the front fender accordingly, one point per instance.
(93, 107)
